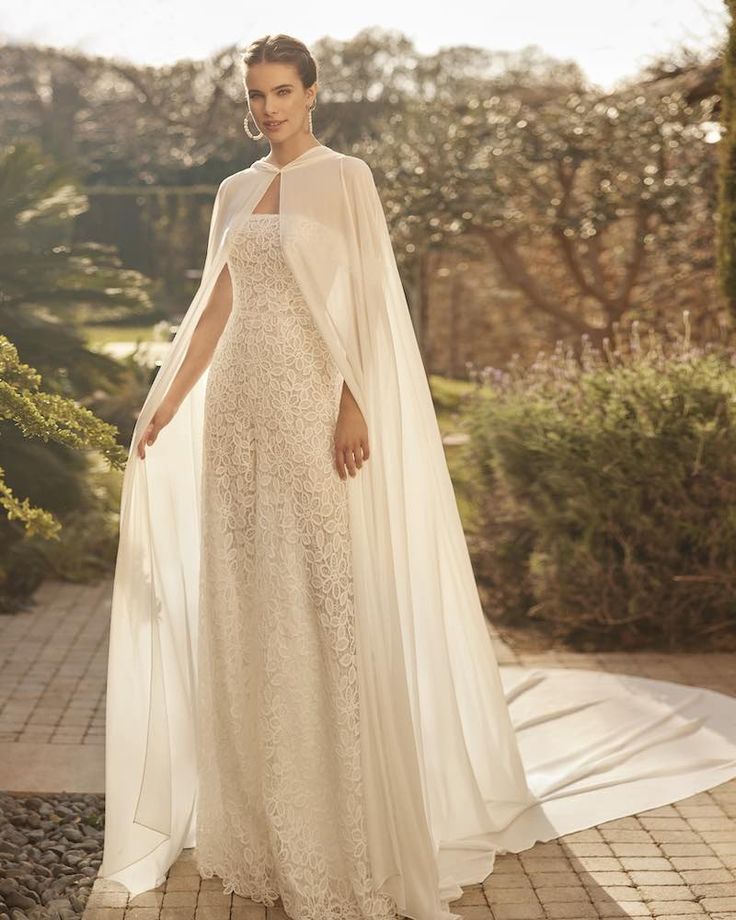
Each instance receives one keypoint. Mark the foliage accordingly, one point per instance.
(127, 124)
(593, 208)
(50, 285)
(606, 491)
(47, 416)
(726, 246)
(450, 398)
(56, 521)
(61, 475)
(586, 210)
(584, 207)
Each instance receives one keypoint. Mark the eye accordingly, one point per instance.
(283, 91)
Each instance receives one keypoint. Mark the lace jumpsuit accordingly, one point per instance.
(280, 808)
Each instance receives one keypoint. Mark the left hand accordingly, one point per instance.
(351, 440)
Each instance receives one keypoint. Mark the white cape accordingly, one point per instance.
(458, 764)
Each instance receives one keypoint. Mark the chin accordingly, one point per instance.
(281, 136)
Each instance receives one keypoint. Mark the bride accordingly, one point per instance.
(301, 684)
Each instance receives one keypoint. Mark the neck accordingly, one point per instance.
(284, 152)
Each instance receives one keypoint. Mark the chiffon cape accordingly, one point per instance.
(460, 761)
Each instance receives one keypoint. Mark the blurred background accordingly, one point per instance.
(558, 182)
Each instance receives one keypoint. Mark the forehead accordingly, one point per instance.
(269, 75)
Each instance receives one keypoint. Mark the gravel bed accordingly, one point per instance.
(50, 851)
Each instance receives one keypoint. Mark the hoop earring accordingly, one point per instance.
(253, 137)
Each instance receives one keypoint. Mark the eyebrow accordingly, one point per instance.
(280, 86)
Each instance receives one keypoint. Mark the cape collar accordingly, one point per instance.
(310, 154)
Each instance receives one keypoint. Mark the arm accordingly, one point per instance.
(351, 435)
(347, 400)
(204, 339)
(351, 431)
(199, 354)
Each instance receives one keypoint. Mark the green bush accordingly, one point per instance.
(605, 488)
(82, 494)
(60, 471)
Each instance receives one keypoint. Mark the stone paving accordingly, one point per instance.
(52, 690)
(677, 862)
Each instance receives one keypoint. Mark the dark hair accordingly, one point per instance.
(282, 49)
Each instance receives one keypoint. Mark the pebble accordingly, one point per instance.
(50, 851)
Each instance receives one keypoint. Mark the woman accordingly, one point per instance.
(301, 683)
(280, 797)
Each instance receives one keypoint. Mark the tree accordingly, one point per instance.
(727, 167)
(49, 284)
(577, 198)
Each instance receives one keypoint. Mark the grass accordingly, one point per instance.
(449, 397)
(101, 335)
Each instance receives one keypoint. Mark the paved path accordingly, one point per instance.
(52, 690)
(672, 863)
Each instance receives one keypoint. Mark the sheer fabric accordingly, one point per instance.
(458, 760)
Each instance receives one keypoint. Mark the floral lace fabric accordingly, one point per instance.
(279, 804)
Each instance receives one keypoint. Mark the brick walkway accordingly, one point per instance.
(672, 863)
(52, 690)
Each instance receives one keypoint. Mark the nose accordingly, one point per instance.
(269, 108)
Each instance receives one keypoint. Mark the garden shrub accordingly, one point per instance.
(606, 492)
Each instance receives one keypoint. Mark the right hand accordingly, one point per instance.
(161, 417)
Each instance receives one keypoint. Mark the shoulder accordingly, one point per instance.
(355, 167)
(357, 174)
(232, 185)
(235, 179)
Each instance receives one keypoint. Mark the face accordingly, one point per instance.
(278, 100)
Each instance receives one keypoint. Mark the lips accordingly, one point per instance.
(273, 124)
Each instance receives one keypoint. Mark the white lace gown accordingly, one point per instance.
(279, 806)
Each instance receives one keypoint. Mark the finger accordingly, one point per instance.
(149, 436)
(350, 460)
(358, 454)
(366, 450)
(339, 464)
